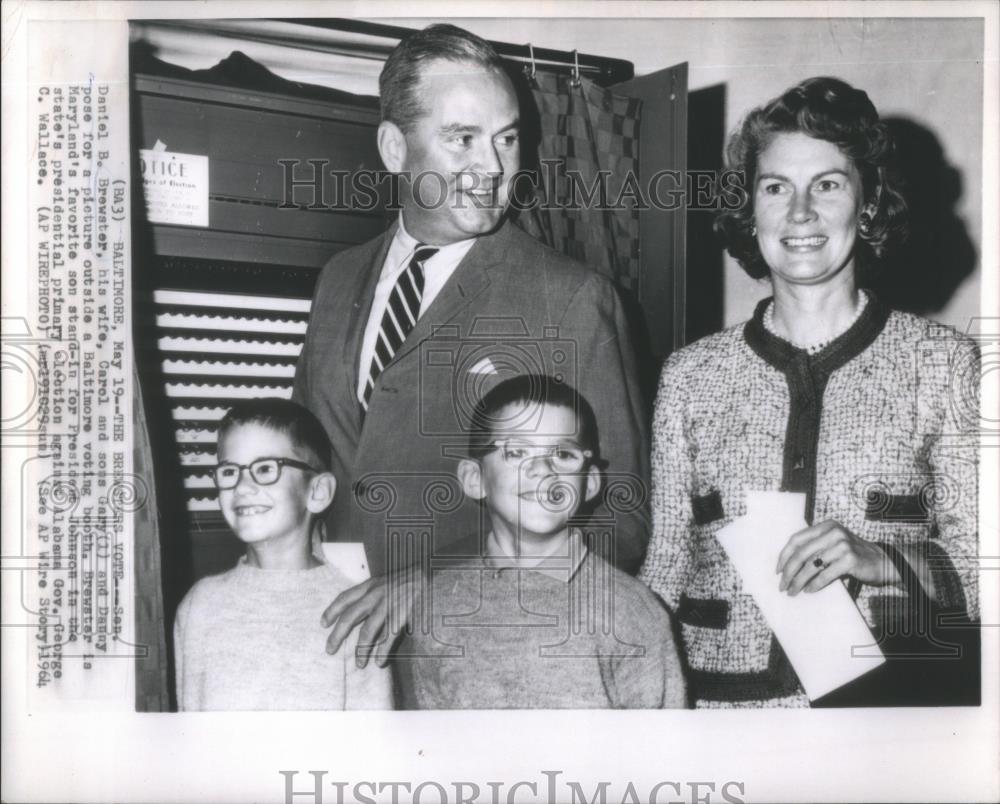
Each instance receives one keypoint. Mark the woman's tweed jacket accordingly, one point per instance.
(879, 430)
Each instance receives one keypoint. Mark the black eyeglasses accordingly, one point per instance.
(264, 471)
(561, 457)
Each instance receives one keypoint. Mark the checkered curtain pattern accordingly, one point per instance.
(588, 129)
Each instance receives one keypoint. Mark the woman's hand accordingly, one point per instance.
(820, 554)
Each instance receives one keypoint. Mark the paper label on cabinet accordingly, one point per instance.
(175, 187)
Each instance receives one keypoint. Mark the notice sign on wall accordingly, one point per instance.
(175, 186)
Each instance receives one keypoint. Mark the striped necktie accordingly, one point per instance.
(401, 314)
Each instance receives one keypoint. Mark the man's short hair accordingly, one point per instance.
(530, 390)
(283, 416)
(399, 82)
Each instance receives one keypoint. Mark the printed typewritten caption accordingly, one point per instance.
(72, 429)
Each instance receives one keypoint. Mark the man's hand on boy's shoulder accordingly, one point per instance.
(368, 605)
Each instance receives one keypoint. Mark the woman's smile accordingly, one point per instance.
(804, 244)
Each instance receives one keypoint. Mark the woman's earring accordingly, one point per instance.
(865, 224)
(753, 228)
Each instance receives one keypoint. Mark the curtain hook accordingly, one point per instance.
(531, 55)
(575, 80)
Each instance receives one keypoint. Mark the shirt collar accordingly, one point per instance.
(406, 243)
(561, 564)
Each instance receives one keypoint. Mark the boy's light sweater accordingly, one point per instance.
(251, 639)
(564, 632)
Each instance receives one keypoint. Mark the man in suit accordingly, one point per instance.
(409, 330)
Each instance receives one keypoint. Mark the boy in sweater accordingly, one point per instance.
(250, 638)
(527, 615)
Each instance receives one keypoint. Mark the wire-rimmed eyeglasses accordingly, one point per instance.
(264, 471)
(561, 457)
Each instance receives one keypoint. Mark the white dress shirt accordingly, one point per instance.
(437, 271)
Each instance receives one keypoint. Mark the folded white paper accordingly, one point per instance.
(819, 631)
(349, 558)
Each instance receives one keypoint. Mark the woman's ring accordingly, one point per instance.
(819, 563)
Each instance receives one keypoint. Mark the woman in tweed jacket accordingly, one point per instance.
(871, 413)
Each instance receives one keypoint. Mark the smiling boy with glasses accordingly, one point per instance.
(250, 638)
(526, 615)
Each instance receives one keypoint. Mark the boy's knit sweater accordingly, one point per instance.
(577, 634)
(251, 639)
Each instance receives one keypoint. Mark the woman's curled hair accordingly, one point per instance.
(826, 109)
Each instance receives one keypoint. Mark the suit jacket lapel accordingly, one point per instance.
(363, 294)
(471, 278)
